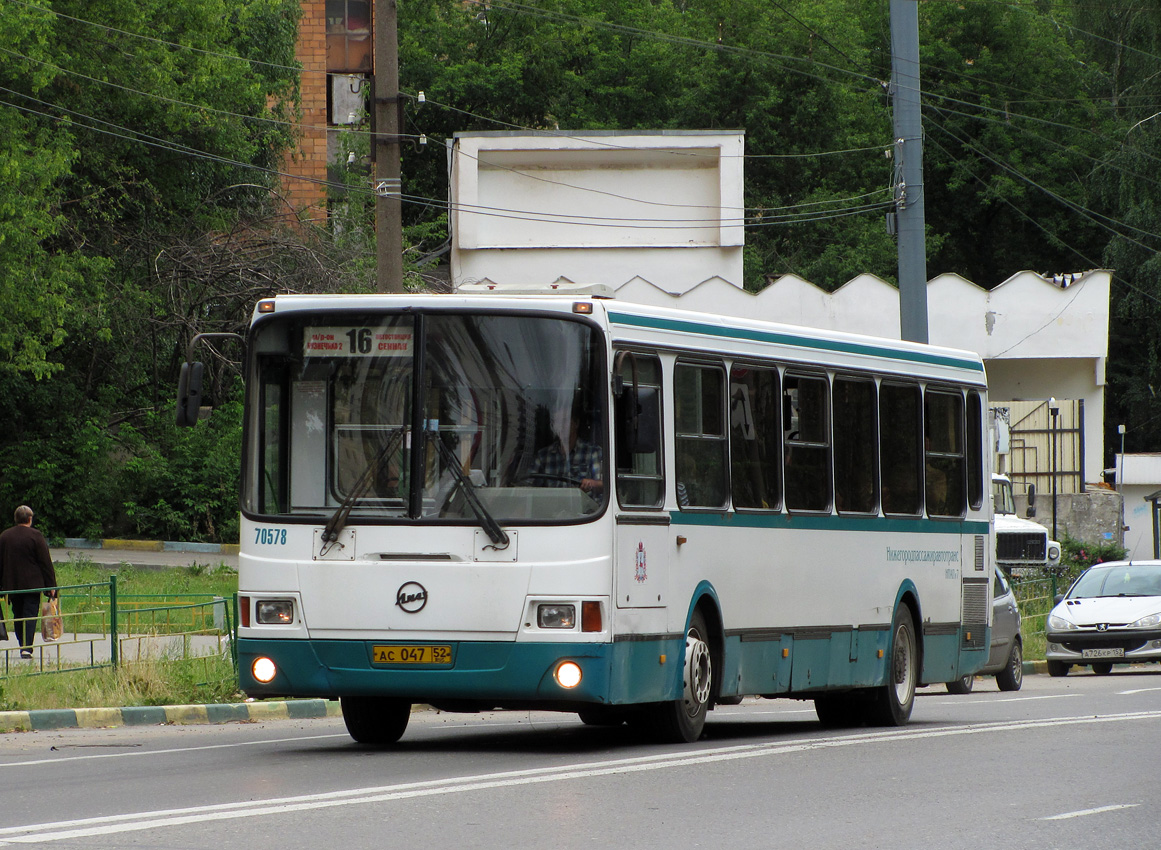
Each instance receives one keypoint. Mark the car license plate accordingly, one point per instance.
(1106, 652)
(411, 654)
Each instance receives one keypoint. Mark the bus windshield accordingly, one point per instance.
(437, 417)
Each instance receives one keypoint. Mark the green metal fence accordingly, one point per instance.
(103, 628)
(1036, 597)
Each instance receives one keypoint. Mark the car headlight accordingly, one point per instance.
(1059, 624)
(1147, 622)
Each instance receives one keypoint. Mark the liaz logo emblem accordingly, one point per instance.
(639, 573)
(411, 597)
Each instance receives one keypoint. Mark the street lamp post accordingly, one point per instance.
(1054, 411)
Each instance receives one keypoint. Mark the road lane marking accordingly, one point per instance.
(961, 700)
(1137, 691)
(138, 821)
(141, 753)
(1085, 812)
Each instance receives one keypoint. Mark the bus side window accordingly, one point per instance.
(698, 413)
(755, 438)
(637, 426)
(975, 450)
(900, 459)
(944, 453)
(855, 482)
(807, 453)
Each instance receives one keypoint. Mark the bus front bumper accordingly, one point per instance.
(496, 673)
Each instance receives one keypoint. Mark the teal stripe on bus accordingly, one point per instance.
(887, 525)
(753, 335)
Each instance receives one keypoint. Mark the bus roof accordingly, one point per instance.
(672, 328)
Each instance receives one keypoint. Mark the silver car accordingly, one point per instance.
(1111, 614)
(1006, 658)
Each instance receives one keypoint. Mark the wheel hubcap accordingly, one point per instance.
(698, 673)
(903, 668)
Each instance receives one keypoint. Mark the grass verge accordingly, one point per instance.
(190, 681)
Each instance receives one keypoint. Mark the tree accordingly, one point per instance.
(125, 129)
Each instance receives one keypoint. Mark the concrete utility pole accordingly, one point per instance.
(385, 146)
(908, 170)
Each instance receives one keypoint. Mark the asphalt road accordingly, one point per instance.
(1064, 763)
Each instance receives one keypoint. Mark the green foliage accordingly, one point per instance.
(136, 157)
(182, 484)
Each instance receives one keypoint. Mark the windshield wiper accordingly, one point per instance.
(487, 521)
(335, 524)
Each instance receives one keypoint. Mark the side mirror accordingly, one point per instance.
(189, 394)
(1031, 512)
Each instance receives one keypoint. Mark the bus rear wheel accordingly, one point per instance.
(896, 697)
(375, 720)
(683, 720)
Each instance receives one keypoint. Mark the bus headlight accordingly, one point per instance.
(263, 670)
(568, 674)
(274, 612)
(554, 616)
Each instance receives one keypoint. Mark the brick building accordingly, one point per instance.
(334, 48)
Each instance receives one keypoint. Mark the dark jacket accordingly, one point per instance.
(24, 560)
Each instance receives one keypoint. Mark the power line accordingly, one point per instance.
(1089, 261)
(1096, 218)
(128, 134)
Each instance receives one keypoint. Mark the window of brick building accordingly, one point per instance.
(348, 36)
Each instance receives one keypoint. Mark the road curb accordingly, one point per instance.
(157, 715)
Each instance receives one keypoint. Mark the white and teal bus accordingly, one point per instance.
(570, 502)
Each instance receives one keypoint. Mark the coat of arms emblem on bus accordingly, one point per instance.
(640, 572)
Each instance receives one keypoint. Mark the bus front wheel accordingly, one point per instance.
(683, 720)
(893, 703)
(375, 720)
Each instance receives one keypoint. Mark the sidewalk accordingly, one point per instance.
(147, 554)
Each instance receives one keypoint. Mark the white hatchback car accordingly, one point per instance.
(1111, 614)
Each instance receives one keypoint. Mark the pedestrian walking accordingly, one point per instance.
(25, 568)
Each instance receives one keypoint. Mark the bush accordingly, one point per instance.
(1076, 556)
(184, 481)
(1080, 555)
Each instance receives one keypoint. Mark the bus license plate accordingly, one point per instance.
(1107, 652)
(411, 654)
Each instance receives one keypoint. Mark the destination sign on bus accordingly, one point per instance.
(356, 341)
